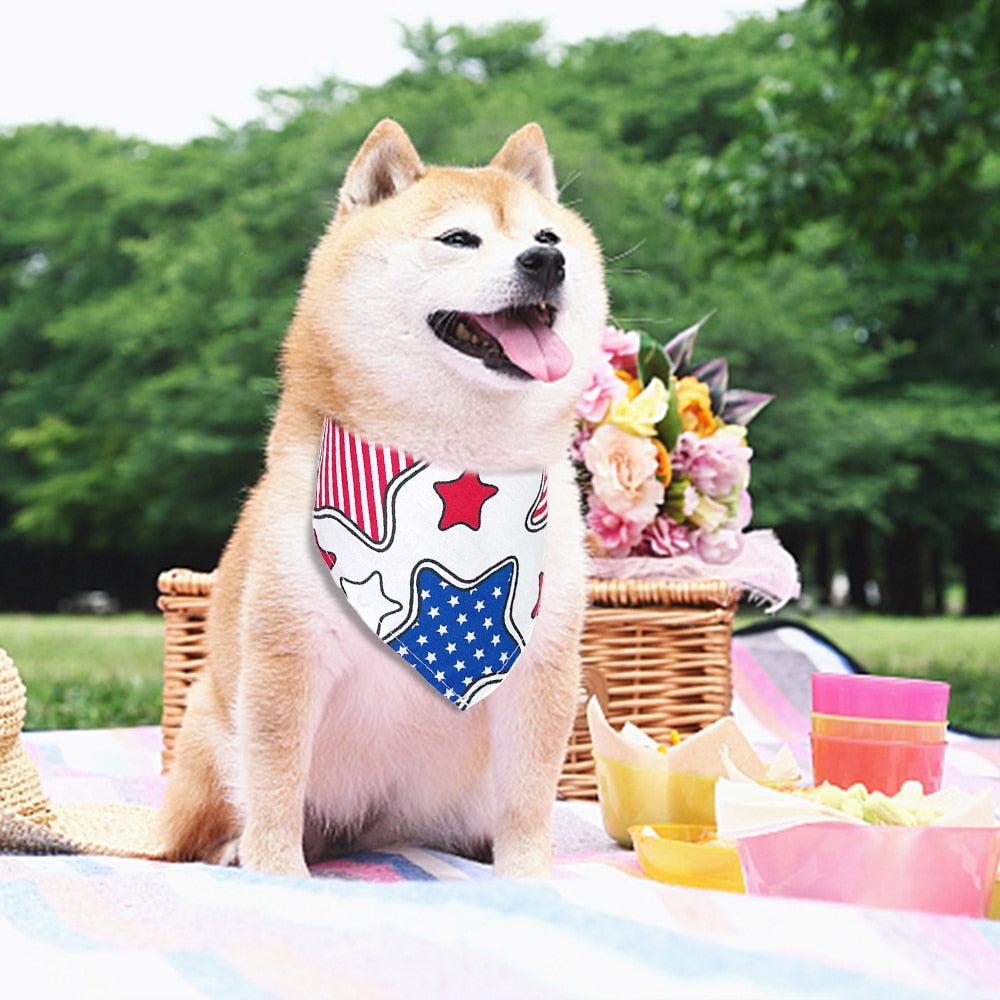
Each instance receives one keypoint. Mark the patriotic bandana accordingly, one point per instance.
(443, 565)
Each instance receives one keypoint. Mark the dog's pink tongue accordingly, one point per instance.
(530, 344)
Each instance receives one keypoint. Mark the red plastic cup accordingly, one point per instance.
(870, 696)
(880, 765)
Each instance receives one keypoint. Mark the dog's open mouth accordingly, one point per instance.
(518, 342)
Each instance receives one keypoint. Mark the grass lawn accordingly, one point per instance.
(84, 672)
(963, 651)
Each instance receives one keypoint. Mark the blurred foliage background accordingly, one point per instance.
(828, 182)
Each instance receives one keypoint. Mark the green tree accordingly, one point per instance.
(834, 202)
(891, 140)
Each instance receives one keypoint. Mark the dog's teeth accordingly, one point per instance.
(463, 333)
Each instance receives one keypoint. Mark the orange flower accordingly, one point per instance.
(664, 470)
(632, 385)
(695, 406)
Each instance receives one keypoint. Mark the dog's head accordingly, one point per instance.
(452, 298)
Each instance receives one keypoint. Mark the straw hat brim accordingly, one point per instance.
(85, 828)
(31, 823)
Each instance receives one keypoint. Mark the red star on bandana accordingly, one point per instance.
(463, 500)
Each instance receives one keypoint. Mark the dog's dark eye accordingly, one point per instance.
(459, 238)
(547, 237)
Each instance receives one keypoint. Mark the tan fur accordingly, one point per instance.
(305, 729)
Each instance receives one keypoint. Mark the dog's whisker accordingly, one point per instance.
(625, 253)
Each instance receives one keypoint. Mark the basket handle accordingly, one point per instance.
(185, 582)
(639, 593)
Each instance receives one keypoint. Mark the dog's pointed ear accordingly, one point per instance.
(526, 155)
(386, 165)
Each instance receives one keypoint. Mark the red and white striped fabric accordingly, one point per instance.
(353, 476)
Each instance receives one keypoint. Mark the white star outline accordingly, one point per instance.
(369, 599)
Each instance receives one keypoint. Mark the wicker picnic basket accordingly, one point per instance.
(184, 600)
(655, 653)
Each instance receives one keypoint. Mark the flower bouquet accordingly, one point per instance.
(664, 468)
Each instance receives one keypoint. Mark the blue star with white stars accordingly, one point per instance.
(459, 641)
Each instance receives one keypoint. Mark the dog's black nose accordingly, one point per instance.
(545, 266)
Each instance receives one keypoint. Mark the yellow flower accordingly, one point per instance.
(695, 406)
(640, 415)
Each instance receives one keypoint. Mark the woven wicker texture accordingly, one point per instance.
(184, 600)
(655, 652)
(30, 823)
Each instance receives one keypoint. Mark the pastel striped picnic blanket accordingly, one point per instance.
(412, 923)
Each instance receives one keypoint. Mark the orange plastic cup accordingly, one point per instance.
(854, 728)
(880, 765)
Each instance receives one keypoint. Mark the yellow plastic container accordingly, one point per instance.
(682, 855)
(630, 795)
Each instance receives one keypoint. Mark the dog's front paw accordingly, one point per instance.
(523, 856)
(256, 854)
(523, 866)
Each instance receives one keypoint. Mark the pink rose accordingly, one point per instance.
(744, 511)
(623, 473)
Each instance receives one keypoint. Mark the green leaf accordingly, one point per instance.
(668, 430)
(651, 361)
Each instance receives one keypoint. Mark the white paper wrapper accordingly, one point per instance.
(708, 752)
(744, 808)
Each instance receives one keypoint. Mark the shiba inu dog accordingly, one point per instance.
(450, 317)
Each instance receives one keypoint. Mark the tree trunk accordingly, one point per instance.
(937, 577)
(905, 572)
(857, 555)
(979, 554)
(824, 565)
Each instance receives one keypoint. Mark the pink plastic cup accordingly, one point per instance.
(938, 869)
(880, 765)
(870, 696)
